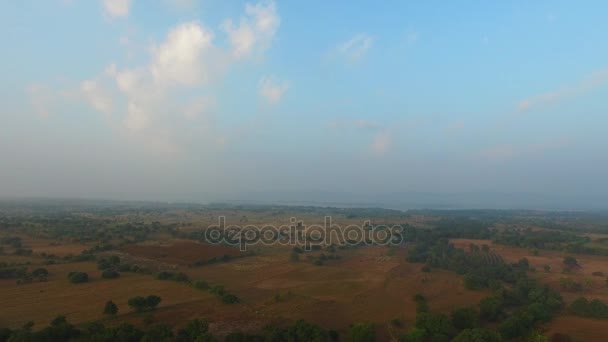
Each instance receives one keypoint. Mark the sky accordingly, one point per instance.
(186, 99)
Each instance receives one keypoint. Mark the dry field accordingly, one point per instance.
(42, 301)
(181, 252)
(364, 285)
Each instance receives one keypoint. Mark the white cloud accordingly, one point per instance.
(180, 58)
(136, 118)
(381, 143)
(157, 98)
(595, 80)
(198, 108)
(271, 89)
(45, 99)
(96, 96)
(40, 98)
(356, 47)
(117, 8)
(255, 31)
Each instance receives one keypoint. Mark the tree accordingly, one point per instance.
(477, 335)
(465, 318)
(547, 268)
(362, 332)
(110, 308)
(78, 277)
(110, 273)
(304, 331)
(152, 301)
(229, 298)
(138, 303)
(41, 274)
(490, 308)
(517, 325)
(201, 285)
(414, 335)
(436, 325)
(193, 329)
(570, 263)
(158, 332)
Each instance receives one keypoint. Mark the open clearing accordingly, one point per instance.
(364, 285)
(180, 252)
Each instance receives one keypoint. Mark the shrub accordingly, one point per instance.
(110, 274)
(110, 308)
(201, 285)
(229, 298)
(78, 277)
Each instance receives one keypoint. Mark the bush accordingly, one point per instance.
(362, 332)
(201, 285)
(140, 303)
(230, 298)
(477, 335)
(78, 277)
(110, 308)
(110, 274)
(40, 273)
(465, 318)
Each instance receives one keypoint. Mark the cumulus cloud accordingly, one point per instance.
(199, 107)
(117, 8)
(356, 47)
(136, 118)
(45, 99)
(271, 89)
(96, 96)
(179, 59)
(255, 31)
(170, 91)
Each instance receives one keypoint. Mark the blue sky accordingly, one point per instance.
(173, 99)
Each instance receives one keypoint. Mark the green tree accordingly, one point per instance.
(465, 318)
(477, 335)
(193, 329)
(362, 332)
(570, 263)
(110, 308)
(78, 277)
(304, 331)
(152, 301)
(490, 308)
(110, 273)
(41, 274)
(138, 303)
(158, 333)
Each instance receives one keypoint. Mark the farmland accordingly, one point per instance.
(437, 268)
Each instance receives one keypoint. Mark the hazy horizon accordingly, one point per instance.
(285, 101)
